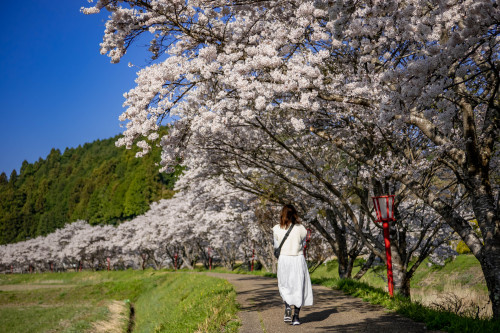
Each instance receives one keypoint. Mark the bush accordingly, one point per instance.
(462, 248)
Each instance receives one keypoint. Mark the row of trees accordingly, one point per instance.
(97, 182)
(205, 219)
(211, 220)
(325, 103)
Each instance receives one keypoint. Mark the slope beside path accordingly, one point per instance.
(261, 310)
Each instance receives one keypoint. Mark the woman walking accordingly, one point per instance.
(294, 282)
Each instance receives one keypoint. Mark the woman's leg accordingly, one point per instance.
(295, 320)
(288, 313)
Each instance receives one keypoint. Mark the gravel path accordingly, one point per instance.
(261, 310)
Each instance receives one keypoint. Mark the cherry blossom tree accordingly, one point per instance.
(222, 216)
(344, 74)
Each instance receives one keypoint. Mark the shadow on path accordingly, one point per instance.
(262, 310)
(317, 316)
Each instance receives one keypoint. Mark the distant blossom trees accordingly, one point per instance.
(185, 226)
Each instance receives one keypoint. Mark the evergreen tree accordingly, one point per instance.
(97, 182)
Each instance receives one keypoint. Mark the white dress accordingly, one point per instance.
(294, 283)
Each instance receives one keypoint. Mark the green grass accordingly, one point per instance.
(193, 302)
(66, 318)
(439, 320)
(238, 269)
(71, 302)
(464, 271)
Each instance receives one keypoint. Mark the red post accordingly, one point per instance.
(52, 267)
(30, 268)
(253, 256)
(80, 262)
(384, 207)
(11, 269)
(175, 261)
(387, 242)
(108, 263)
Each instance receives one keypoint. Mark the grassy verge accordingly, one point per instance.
(439, 320)
(238, 269)
(80, 302)
(187, 303)
(65, 318)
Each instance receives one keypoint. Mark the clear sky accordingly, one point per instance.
(56, 89)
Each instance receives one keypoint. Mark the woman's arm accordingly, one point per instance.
(303, 235)
(275, 237)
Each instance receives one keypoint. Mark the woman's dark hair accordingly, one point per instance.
(288, 216)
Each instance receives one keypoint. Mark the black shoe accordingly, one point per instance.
(295, 320)
(288, 315)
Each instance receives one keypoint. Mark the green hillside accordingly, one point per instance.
(98, 182)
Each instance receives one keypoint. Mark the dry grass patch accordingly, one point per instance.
(90, 277)
(456, 298)
(117, 321)
(50, 281)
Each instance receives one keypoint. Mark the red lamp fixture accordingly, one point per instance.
(384, 208)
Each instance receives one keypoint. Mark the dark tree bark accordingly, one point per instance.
(366, 266)
(341, 242)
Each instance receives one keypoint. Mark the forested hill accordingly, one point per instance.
(98, 182)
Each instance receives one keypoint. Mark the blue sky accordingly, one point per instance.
(56, 89)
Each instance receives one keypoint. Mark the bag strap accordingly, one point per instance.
(286, 235)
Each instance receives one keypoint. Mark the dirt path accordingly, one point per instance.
(16, 287)
(262, 310)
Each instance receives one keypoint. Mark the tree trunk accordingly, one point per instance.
(156, 263)
(341, 242)
(343, 269)
(488, 219)
(266, 260)
(353, 253)
(186, 262)
(366, 266)
(489, 256)
(490, 264)
(204, 255)
(401, 278)
(405, 285)
(350, 265)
